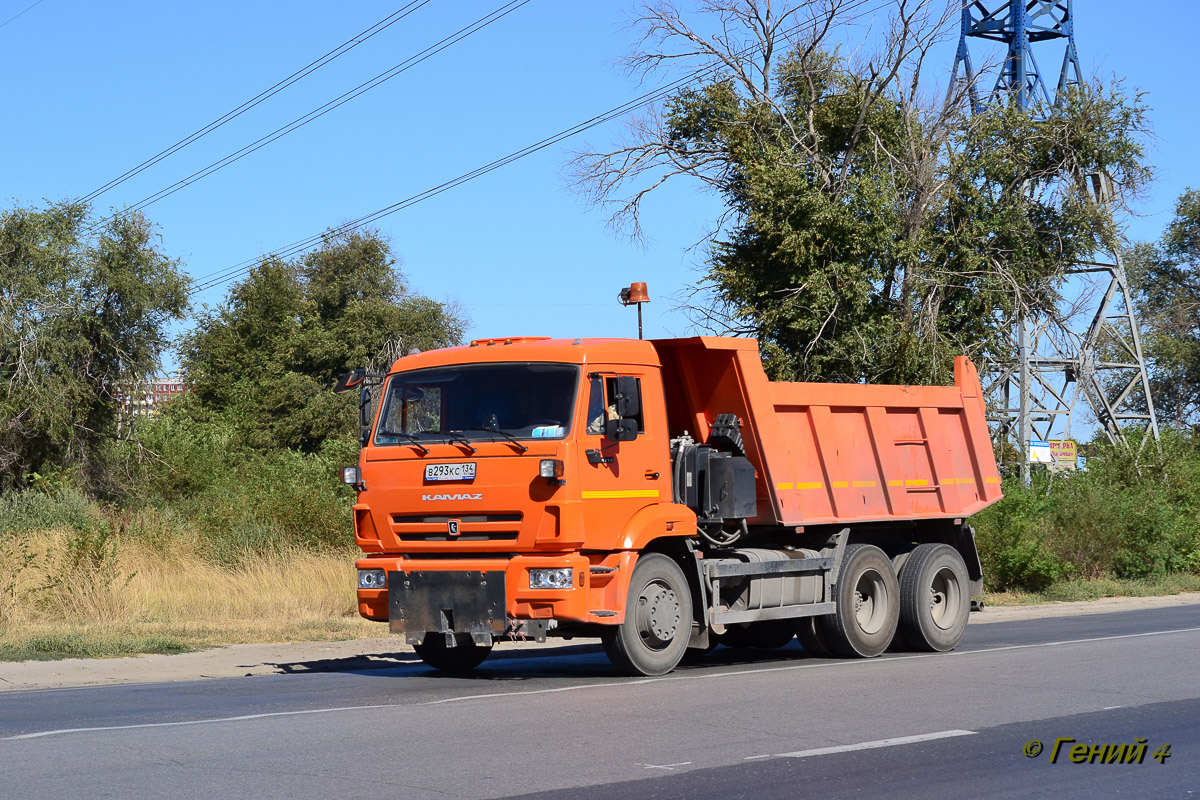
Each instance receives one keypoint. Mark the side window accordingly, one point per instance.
(610, 392)
(596, 406)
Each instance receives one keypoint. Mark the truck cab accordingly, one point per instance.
(537, 467)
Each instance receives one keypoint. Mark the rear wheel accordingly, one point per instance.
(810, 633)
(935, 598)
(658, 619)
(867, 595)
(463, 658)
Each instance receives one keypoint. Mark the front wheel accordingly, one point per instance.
(658, 619)
(935, 598)
(867, 595)
(463, 658)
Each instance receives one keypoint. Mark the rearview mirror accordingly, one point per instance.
(364, 407)
(621, 430)
(349, 380)
(628, 398)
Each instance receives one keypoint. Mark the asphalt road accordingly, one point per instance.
(775, 724)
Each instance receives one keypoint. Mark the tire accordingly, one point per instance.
(935, 598)
(460, 659)
(811, 635)
(768, 635)
(868, 607)
(658, 619)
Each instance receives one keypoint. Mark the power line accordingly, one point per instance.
(21, 13)
(267, 93)
(516, 155)
(321, 111)
(224, 276)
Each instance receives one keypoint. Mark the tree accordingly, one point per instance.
(1166, 281)
(84, 308)
(874, 229)
(268, 357)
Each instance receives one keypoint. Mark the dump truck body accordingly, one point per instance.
(661, 495)
(828, 453)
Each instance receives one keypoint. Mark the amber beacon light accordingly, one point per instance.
(635, 295)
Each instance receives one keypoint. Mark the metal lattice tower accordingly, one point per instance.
(1036, 395)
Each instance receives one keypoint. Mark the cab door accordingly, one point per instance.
(626, 466)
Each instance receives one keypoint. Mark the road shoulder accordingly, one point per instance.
(244, 660)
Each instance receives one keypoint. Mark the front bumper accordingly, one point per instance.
(461, 604)
(483, 597)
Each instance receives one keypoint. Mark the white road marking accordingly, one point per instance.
(668, 767)
(821, 664)
(847, 748)
(1109, 708)
(755, 758)
(40, 734)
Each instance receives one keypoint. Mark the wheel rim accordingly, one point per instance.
(870, 602)
(657, 615)
(945, 596)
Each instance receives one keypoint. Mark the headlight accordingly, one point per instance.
(559, 578)
(550, 468)
(351, 475)
(372, 579)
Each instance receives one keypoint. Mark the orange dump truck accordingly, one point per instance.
(663, 495)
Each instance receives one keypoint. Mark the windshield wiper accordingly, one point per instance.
(511, 439)
(450, 437)
(412, 439)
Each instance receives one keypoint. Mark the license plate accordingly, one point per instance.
(464, 471)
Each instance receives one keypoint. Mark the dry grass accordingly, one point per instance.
(142, 597)
(138, 597)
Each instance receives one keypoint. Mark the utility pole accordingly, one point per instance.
(1055, 366)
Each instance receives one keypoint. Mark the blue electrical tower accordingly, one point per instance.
(1057, 363)
(1018, 26)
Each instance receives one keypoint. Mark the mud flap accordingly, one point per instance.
(965, 544)
(465, 606)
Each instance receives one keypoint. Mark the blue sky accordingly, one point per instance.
(92, 89)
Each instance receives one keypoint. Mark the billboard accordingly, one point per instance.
(1061, 453)
(1040, 452)
(1065, 452)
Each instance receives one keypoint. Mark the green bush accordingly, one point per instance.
(174, 456)
(239, 501)
(33, 510)
(265, 502)
(187, 474)
(1130, 515)
(1012, 538)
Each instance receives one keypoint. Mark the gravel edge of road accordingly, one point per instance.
(243, 660)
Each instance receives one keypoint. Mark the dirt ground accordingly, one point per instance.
(274, 659)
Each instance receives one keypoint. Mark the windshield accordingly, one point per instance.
(479, 401)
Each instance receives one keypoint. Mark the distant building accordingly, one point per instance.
(149, 398)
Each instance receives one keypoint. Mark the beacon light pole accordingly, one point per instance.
(635, 295)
